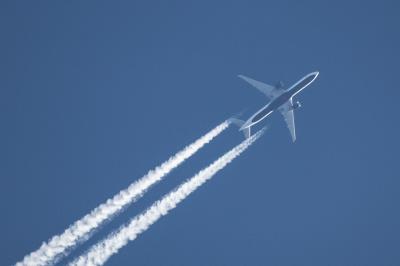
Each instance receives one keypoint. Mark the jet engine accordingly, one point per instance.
(296, 105)
(279, 85)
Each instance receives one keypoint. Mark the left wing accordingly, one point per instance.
(288, 114)
(270, 91)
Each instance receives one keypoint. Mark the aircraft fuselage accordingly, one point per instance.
(280, 100)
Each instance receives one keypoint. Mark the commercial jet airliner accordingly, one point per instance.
(280, 99)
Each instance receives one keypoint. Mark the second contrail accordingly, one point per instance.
(81, 229)
(102, 251)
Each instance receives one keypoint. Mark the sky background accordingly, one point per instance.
(93, 94)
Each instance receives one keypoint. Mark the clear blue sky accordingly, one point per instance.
(95, 93)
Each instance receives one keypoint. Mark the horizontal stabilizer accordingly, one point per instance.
(247, 132)
(237, 122)
(240, 123)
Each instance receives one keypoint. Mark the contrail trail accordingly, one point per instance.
(101, 252)
(58, 245)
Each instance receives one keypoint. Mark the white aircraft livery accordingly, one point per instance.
(280, 99)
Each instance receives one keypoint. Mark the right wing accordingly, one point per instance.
(270, 91)
(288, 115)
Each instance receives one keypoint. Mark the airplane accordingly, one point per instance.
(280, 99)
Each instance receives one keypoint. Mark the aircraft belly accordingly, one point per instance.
(281, 100)
(257, 118)
(267, 110)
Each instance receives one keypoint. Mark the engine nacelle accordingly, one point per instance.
(296, 105)
(279, 85)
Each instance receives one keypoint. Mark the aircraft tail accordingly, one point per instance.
(240, 123)
(236, 121)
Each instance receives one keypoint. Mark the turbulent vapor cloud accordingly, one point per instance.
(101, 252)
(58, 245)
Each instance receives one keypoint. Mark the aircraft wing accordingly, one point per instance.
(270, 91)
(288, 115)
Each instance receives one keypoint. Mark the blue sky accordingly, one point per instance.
(93, 94)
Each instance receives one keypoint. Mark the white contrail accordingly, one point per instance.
(101, 252)
(58, 245)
